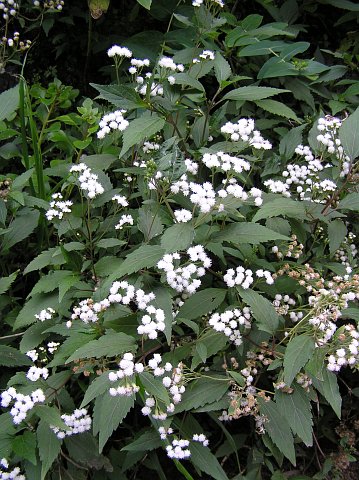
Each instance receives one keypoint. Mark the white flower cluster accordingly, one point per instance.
(198, 3)
(282, 304)
(201, 438)
(78, 422)
(123, 292)
(10, 474)
(111, 122)
(149, 147)
(266, 275)
(232, 187)
(183, 215)
(137, 65)
(202, 196)
(118, 51)
(88, 181)
(85, 311)
(152, 322)
(34, 354)
(347, 354)
(34, 373)
(347, 251)
(8, 8)
(224, 162)
(185, 278)
(178, 449)
(121, 200)
(243, 130)
(124, 220)
(58, 207)
(164, 432)
(191, 167)
(127, 368)
(45, 314)
(205, 55)
(239, 276)
(230, 322)
(50, 4)
(22, 403)
(168, 64)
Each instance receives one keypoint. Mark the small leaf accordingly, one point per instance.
(109, 345)
(149, 223)
(49, 447)
(9, 102)
(222, 68)
(97, 387)
(213, 343)
(50, 416)
(201, 303)
(5, 282)
(263, 310)
(277, 108)
(11, 357)
(145, 3)
(330, 390)
(290, 141)
(298, 352)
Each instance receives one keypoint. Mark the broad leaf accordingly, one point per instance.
(336, 233)
(25, 446)
(97, 387)
(349, 135)
(145, 442)
(177, 237)
(350, 202)
(201, 303)
(9, 102)
(20, 228)
(141, 129)
(330, 390)
(202, 391)
(11, 357)
(203, 458)
(154, 387)
(298, 352)
(277, 108)
(243, 232)
(49, 447)
(252, 93)
(262, 309)
(290, 141)
(281, 206)
(5, 282)
(143, 257)
(34, 306)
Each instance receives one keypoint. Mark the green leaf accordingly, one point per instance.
(109, 345)
(281, 206)
(121, 96)
(187, 80)
(7, 434)
(243, 232)
(141, 129)
(5, 282)
(154, 387)
(144, 443)
(336, 233)
(51, 281)
(252, 93)
(100, 161)
(145, 3)
(278, 428)
(277, 108)
(290, 141)
(34, 335)
(143, 257)
(97, 387)
(109, 243)
(50, 416)
(349, 135)
(297, 410)
(202, 391)
(66, 284)
(9, 102)
(53, 256)
(330, 390)
(177, 237)
(49, 447)
(202, 303)
(84, 448)
(11, 357)
(34, 306)
(204, 459)
(222, 68)
(149, 223)
(25, 446)
(21, 227)
(213, 343)
(276, 67)
(262, 309)
(3, 211)
(263, 47)
(108, 414)
(298, 352)
(350, 202)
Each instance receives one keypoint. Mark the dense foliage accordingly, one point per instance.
(179, 277)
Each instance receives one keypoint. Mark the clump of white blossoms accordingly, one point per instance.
(58, 207)
(137, 65)
(244, 130)
(191, 166)
(230, 322)
(121, 200)
(201, 195)
(45, 314)
(7, 474)
(347, 252)
(152, 322)
(127, 369)
(225, 162)
(329, 138)
(9, 8)
(178, 449)
(165, 432)
(124, 220)
(34, 373)
(167, 63)
(201, 438)
(266, 275)
(183, 215)
(239, 276)
(198, 3)
(22, 403)
(205, 55)
(117, 51)
(113, 121)
(78, 422)
(87, 180)
(185, 278)
(348, 352)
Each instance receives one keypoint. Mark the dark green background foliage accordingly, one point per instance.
(283, 64)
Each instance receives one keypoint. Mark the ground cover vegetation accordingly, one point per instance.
(179, 205)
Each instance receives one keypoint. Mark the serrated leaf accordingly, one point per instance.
(350, 202)
(66, 283)
(149, 223)
(277, 108)
(263, 47)
(109, 345)
(290, 141)
(336, 234)
(148, 441)
(109, 243)
(9, 102)
(145, 3)
(141, 129)
(116, 409)
(25, 446)
(243, 232)
(154, 387)
(298, 352)
(297, 410)
(11, 357)
(262, 309)
(213, 343)
(277, 67)
(50, 416)
(143, 257)
(177, 237)
(278, 428)
(204, 459)
(187, 80)
(5, 282)
(53, 256)
(34, 335)
(222, 68)
(201, 303)
(20, 228)
(97, 387)
(330, 390)
(121, 96)
(33, 306)
(252, 93)
(201, 392)
(349, 135)
(51, 281)
(49, 447)
(281, 206)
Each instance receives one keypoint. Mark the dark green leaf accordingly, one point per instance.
(49, 447)
(349, 135)
(252, 93)
(203, 458)
(5, 282)
(97, 387)
(9, 102)
(298, 352)
(202, 391)
(25, 446)
(243, 232)
(154, 387)
(143, 257)
(177, 237)
(20, 228)
(330, 390)
(11, 357)
(201, 303)
(281, 206)
(336, 233)
(263, 310)
(149, 440)
(141, 129)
